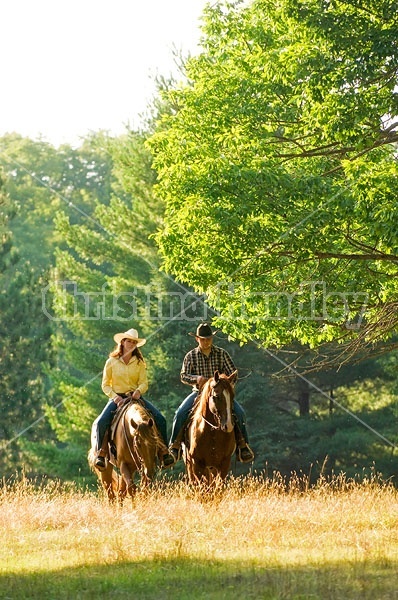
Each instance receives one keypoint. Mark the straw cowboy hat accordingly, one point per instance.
(203, 331)
(131, 334)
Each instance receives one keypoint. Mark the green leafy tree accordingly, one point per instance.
(43, 180)
(40, 182)
(107, 261)
(7, 210)
(278, 169)
(24, 353)
(107, 279)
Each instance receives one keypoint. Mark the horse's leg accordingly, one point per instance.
(198, 473)
(224, 467)
(145, 481)
(196, 468)
(115, 482)
(194, 472)
(122, 491)
(108, 481)
(213, 476)
(127, 475)
(189, 467)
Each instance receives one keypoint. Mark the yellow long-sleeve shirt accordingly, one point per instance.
(119, 378)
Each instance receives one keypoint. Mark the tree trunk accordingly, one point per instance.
(304, 398)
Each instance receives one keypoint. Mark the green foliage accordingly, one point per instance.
(98, 272)
(38, 182)
(56, 461)
(107, 280)
(43, 180)
(349, 426)
(24, 351)
(278, 170)
(7, 210)
(24, 356)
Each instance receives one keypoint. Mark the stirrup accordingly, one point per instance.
(245, 454)
(100, 463)
(168, 460)
(176, 453)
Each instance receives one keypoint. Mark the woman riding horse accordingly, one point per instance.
(125, 376)
(136, 441)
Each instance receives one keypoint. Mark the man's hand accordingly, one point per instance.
(136, 395)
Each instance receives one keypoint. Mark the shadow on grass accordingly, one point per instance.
(182, 579)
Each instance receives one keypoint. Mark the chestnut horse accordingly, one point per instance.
(137, 442)
(210, 437)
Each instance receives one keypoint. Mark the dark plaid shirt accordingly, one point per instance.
(196, 363)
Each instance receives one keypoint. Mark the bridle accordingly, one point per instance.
(212, 396)
(137, 457)
(135, 445)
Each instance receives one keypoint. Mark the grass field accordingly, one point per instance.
(255, 539)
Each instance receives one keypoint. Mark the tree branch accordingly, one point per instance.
(342, 255)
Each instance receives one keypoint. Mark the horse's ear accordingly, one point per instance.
(150, 423)
(216, 376)
(133, 424)
(233, 378)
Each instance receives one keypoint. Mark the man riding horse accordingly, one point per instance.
(198, 366)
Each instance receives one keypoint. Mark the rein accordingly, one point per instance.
(134, 439)
(215, 416)
(211, 424)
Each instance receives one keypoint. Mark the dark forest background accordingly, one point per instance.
(78, 264)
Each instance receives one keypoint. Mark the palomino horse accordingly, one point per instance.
(210, 437)
(137, 442)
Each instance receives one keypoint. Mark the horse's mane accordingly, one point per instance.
(204, 394)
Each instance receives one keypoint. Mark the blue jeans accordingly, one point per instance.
(181, 417)
(104, 420)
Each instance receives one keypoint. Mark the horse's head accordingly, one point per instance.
(144, 437)
(220, 399)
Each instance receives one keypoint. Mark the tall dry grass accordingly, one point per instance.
(252, 519)
(254, 524)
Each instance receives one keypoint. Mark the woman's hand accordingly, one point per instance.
(136, 395)
(118, 400)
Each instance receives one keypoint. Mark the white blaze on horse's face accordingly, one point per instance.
(221, 407)
(229, 426)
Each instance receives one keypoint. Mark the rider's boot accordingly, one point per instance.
(244, 453)
(100, 461)
(166, 458)
(175, 448)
